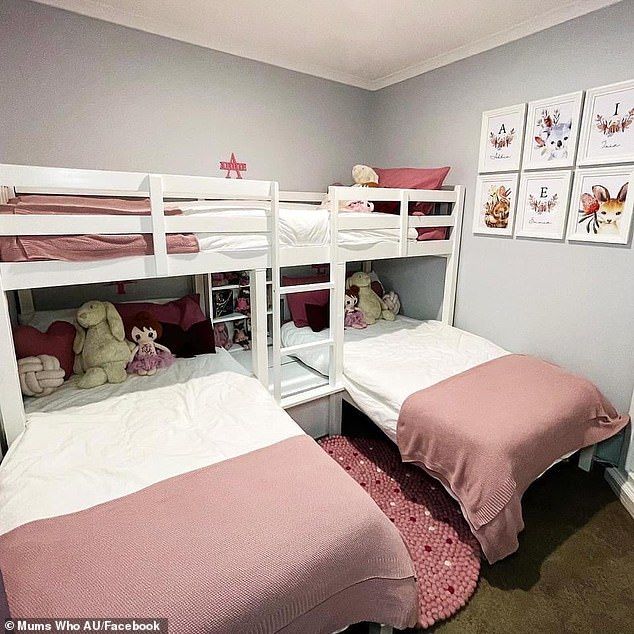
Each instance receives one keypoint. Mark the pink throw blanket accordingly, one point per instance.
(491, 431)
(276, 540)
(81, 248)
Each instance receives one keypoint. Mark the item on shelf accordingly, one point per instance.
(353, 318)
(244, 278)
(243, 302)
(148, 355)
(40, 375)
(221, 336)
(392, 302)
(223, 303)
(100, 345)
(219, 279)
(370, 304)
(242, 337)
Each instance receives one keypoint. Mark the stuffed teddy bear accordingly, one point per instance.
(370, 304)
(40, 375)
(364, 176)
(353, 317)
(148, 355)
(100, 345)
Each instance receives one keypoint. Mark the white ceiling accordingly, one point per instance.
(365, 43)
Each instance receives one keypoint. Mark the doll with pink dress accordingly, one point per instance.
(148, 355)
(353, 316)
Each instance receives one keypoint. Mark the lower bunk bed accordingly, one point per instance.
(192, 496)
(483, 421)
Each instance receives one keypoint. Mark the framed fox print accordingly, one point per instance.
(607, 134)
(542, 204)
(501, 138)
(552, 131)
(495, 199)
(601, 207)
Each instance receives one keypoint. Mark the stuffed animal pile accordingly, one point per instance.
(362, 176)
(370, 304)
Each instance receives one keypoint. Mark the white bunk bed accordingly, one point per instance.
(247, 223)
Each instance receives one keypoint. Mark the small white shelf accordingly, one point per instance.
(233, 287)
(230, 317)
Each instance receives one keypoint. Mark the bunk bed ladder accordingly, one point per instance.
(336, 287)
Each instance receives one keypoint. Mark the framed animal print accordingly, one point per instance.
(542, 204)
(501, 139)
(607, 134)
(552, 131)
(601, 207)
(495, 199)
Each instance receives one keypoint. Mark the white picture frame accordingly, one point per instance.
(501, 139)
(607, 132)
(542, 204)
(552, 132)
(601, 215)
(495, 204)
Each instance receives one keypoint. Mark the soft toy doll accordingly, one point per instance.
(364, 176)
(353, 318)
(358, 205)
(371, 305)
(100, 345)
(392, 302)
(241, 337)
(147, 356)
(221, 336)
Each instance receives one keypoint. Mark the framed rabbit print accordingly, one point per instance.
(607, 134)
(552, 131)
(543, 204)
(501, 139)
(495, 200)
(601, 207)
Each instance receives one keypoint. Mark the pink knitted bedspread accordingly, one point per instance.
(491, 431)
(277, 540)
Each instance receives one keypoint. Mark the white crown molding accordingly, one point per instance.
(172, 30)
(527, 27)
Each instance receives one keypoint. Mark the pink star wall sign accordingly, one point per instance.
(232, 165)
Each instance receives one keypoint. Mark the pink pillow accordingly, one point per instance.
(56, 341)
(184, 312)
(414, 178)
(297, 301)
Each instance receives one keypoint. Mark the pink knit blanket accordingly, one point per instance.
(85, 247)
(491, 431)
(277, 540)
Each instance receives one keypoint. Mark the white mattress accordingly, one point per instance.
(73, 458)
(301, 225)
(386, 362)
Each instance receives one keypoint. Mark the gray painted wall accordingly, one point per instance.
(79, 92)
(573, 304)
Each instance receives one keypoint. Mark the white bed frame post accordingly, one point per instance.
(451, 269)
(13, 416)
(159, 239)
(276, 278)
(259, 330)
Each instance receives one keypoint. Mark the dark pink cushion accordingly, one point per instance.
(56, 341)
(318, 316)
(414, 178)
(184, 312)
(297, 301)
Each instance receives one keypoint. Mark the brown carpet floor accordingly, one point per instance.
(574, 571)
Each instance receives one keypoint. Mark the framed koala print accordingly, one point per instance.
(501, 138)
(552, 131)
(607, 134)
(495, 199)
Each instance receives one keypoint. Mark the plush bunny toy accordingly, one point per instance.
(353, 316)
(371, 305)
(100, 346)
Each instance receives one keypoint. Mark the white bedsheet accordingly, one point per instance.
(77, 457)
(386, 362)
(301, 225)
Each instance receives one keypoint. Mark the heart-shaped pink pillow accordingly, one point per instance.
(56, 341)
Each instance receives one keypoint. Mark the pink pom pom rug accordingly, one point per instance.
(446, 555)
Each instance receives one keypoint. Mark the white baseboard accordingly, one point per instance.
(622, 484)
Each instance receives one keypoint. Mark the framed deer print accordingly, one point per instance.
(607, 134)
(601, 207)
(552, 131)
(543, 204)
(501, 139)
(495, 199)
